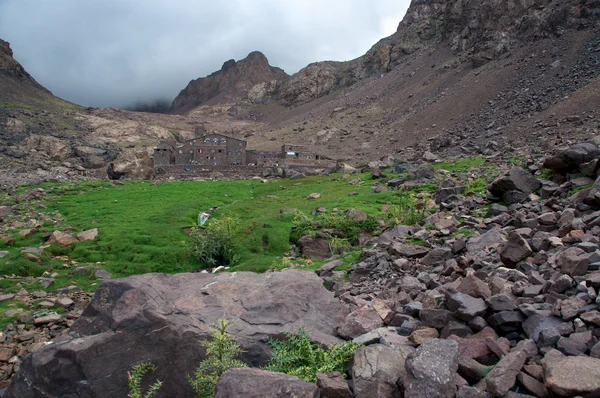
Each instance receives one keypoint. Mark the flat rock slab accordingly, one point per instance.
(574, 376)
(256, 383)
(162, 319)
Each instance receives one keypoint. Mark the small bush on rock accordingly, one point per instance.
(221, 353)
(299, 356)
(215, 245)
(135, 381)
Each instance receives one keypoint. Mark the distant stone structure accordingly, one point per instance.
(217, 152)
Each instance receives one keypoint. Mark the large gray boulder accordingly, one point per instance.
(431, 370)
(377, 370)
(516, 179)
(162, 318)
(571, 158)
(257, 383)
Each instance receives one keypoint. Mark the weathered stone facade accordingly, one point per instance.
(216, 152)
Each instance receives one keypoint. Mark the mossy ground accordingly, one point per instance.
(141, 223)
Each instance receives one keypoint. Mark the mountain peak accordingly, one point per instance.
(231, 83)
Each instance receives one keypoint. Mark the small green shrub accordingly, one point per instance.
(301, 225)
(135, 381)
(404, 210)
(215, 245)
(478, 185)
(546, 174)
(221, 353)
(299, 356)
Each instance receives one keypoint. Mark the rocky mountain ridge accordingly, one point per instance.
(478, 31)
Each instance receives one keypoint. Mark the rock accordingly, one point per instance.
(573, 376)
(52, 318)
(333, 385)
(466, 307)
(491, 239)
(573, 261)
(408, 251)
(314, 247)
(61, 238)
(314, 195)
(161, 318)
(475, 287)
(376, 371)
(422, 335)
(360, 322)
(506, 321)
(257, 383)
(431, 370)
(517, 179)
(501, 302)
(327, 269)
(532, 385)
(90, 234)
(64, 302)
(536, 323)
(502, 378)
(437, 256)
(570, 158)
(515, 250)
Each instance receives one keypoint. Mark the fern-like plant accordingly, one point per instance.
(135, 381)
(299, 356)
(221, 353)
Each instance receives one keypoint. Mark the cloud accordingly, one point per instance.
(118, 52)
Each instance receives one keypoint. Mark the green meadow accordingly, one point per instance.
(141, 223)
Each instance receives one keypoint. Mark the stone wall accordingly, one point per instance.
(183, 172)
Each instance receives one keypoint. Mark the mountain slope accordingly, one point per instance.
(484, 74)
(230, 84)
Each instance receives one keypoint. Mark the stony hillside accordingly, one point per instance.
(252, 77)
(467, 71)
(484, 77)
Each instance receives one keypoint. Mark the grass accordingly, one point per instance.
(460, 164)
(141, 223)
(10, 105)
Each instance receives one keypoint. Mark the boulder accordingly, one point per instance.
(333, 385)
(314, 247)
(516, 179)
(376, 371)
(573, 376)
(61, 238)
(431, 370)
(515, 250)
(162, 318)
(503, 377)
(90, 234)
(257, 383)
(571, 158)
(360, 322)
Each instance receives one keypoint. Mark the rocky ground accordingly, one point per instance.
(489, 296)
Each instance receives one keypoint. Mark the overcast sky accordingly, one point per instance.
(117, 52)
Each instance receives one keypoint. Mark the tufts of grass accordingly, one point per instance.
(461, 164)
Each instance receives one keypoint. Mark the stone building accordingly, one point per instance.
(209, 150)
(217, 152)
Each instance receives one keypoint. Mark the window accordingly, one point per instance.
(220, 150)
(191, 151)
(207, 139)
(216, 140)
(229, 153)
(180, 151)
(241, 144)
(223, 140)
(212, 151)
(239, 153)
(199, 150)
